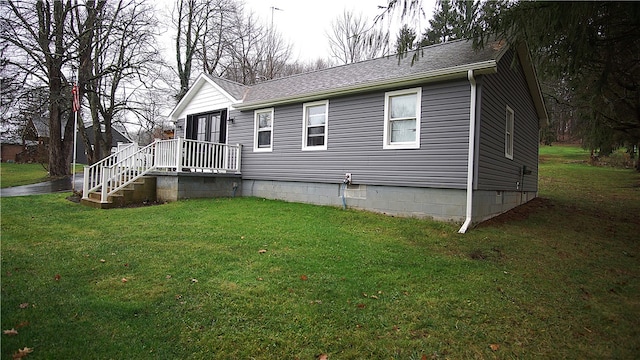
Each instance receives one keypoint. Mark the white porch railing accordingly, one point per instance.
(130, 163)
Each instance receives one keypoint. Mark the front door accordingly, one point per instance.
(208, 127)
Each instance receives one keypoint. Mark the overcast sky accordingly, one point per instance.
(304, 23)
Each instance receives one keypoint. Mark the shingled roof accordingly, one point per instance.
(449, 59)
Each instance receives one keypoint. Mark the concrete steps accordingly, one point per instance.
(138, 192)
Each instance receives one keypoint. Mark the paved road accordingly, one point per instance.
(46, 187)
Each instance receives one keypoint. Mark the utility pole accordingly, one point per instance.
(271, 45)
(273, 8)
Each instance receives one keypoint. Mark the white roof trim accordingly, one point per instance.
(533, 84)
(193, 90)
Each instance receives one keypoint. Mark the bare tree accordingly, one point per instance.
(149, 117)
(87, 20)
(108, 44)
(190, 18)
(219, 38)
(248, 51)
(215, 41)
(36, 33)
(352, 39)
(123, 50)
(11, 123)
(278, 53)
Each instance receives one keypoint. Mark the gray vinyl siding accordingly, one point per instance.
(355, 140)
(495, 171)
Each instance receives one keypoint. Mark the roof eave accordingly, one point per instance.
(534, 85)
(186, 99)
(485, 67)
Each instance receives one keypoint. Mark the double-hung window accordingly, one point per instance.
(402, 119)
(315, 128)
(263, 130)
(508, 134)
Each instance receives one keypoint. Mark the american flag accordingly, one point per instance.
(76, 98)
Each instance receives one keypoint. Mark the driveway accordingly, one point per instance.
(47, 187)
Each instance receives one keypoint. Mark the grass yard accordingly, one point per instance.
(12, 174)
(248, 278)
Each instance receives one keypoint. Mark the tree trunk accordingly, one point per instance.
(85, 74)
(82, 132)
(58, 152)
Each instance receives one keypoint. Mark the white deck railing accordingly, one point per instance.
(178, 155)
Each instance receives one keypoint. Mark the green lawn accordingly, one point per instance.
(191, 279)
(12, 174)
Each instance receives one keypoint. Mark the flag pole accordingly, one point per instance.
(76, 108)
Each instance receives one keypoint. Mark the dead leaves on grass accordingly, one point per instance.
(11, 332)
(22, 353)
(22, 324)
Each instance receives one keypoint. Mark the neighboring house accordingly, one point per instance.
(37, 133)
(452, 136)
(81, 151)
(9, 150)
(36, 138)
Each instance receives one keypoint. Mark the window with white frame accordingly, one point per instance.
(314, 131)
(263, 130)
(402, 119)
(508, 134)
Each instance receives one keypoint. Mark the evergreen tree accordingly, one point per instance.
(452, 20)
(586, 53)
(406, 39)
(594, 48)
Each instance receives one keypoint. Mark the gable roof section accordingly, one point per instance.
(437, 62)
(236, 90)
(41, 126)
(119, 135)
(231, 90)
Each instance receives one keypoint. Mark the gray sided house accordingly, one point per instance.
(81, 151)
(36, 133)
(452, 136)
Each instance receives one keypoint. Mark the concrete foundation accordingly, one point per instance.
(487, 204)
(438, 204)
(173, 187)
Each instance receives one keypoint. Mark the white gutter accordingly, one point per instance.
(472, 146)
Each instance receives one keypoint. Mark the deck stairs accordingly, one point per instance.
(126, 177)
(140, 191)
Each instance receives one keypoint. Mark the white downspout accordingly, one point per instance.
(472, 146)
